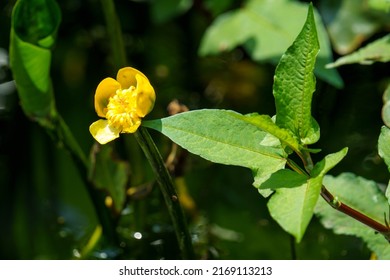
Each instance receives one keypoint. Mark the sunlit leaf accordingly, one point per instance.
(384, 151)
(381, 5)
(386, 107)
(294, 84)
(362, 195)
(265, 123)
(352, 23)
(330, 161)
(384, 145)
(266, 29)
(377, 51)
(293, 206)
(224, 137)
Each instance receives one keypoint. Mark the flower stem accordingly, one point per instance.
(146, 142)
(168, 190)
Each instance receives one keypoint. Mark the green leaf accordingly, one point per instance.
(294, 84)
(163, 11)
(33, 32)
(381, 5)
(330, 161)
(386, 107)
(351, 24)
(217, 7)
(265, 123)
(293, 206)
(360, 194)
(284, 178)
(109, 174)
(285, 136)
(377, 51)
(224, 137)
(384, 145)
(266, 29)
(384, 151)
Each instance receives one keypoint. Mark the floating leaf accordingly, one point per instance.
(224, 137)
(377, 51)
(294, 84)
(360, 194)
(266, 29)
(33, 32)
(293, 206)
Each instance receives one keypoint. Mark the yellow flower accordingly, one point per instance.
(123, 103)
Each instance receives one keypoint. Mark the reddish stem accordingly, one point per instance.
(338, 205)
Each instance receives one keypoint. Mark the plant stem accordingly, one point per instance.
(340, 206)
(296, 167)
(307, 161)
(293, 248)
(119, 60)
(168, 190)
(146, 143)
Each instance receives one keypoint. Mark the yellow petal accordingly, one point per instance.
(103, 132)
(133, 128)
(126, 77)
(145, 96)
(104, 91)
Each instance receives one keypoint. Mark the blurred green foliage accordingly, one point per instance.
(45, 211)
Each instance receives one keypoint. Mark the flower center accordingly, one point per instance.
(121, 109)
